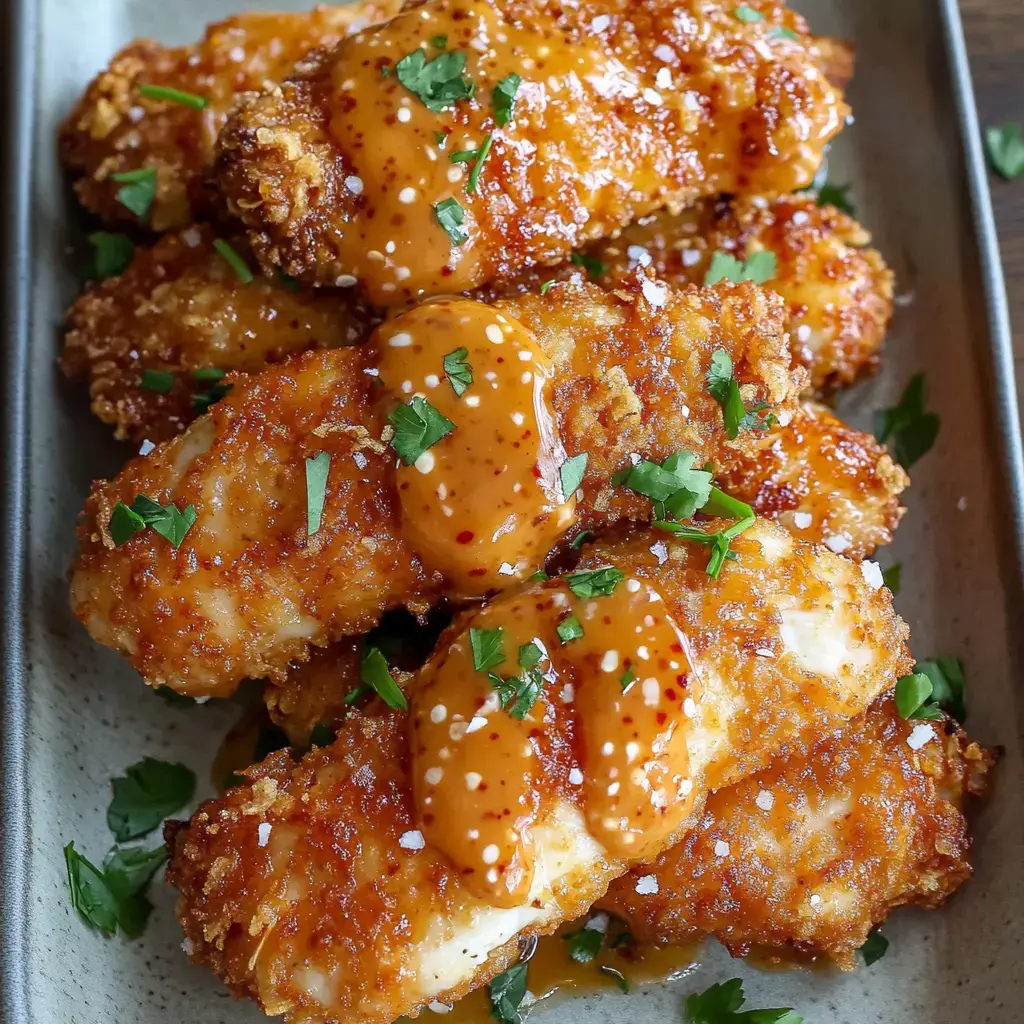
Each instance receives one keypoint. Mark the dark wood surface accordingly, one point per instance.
(995, 39)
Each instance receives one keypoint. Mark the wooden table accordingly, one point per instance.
(995, 38)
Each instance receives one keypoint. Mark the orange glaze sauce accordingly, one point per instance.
(484, 504)
(400, 171)
(616, 748)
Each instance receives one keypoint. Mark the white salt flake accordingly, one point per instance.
(765, 800)
(920, 735)
(412, 840)
(872, 574)
(647, 885)
(263, 833)
(721, 848)
(801, 520)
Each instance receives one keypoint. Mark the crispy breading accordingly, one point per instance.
(246, 591)
(178, 308)
(336, 172)
(345, 913)
(816, 850)
(838, 297)
(838, 292)
(114, 129)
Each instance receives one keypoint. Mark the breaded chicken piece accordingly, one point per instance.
(816, 850)
(313, 889)
(345, 171)
(114, 129)
(838, 292)
(181, 307)
(247, 591)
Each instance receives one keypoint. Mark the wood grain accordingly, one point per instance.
(995, 39)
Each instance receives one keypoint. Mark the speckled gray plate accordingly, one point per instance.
(75, 715)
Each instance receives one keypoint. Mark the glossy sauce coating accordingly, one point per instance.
(484, 504)
(607, 730)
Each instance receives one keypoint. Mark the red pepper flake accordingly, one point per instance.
(465, 537)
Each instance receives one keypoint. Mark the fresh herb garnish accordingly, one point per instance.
(518, 694)
(875, 947)
(481, 158)
(202, 400)
(725, 390)
(571, 474)
(457, 370)
(720, 1004)
(674, 486)
(616, 975)
(759, 267)
(451, 216)
(946, 674)
(748, 14)
(288, 282)
(418, 427)
(595, 583)
(158, 381)
(163, 92)
(1005, 147)
(356, 694)
(487, 646)
(590, 263)
(725, 505)
(90, 894)
(913, 698)
(546, 286)
(718, 542)
(375, 673)
(569, 629)
(206, 374)
(441, 138)
(585, 944)
(507, 991)
(322, 735)
(317, 468)
(913, 430)
(784, 33)
(167, 520)
(139, 189)
(837, 196)
(234, 261)
(627, 678)
(146, 793)
(504, 97)
(438, 83)
(439, 42)
(112, 254)
(580, 539)
(891, 577)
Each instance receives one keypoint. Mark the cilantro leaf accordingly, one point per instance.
(163, 92)
(759, 268)
(127, 873)
(913, 697)
(627, 678)
(875, 947)
(720, 1004)
(503, 98)
(674, 486)
(585, 944)
(748, 14)
(451, 216)
(718, 542)
(571, 474)
(147, 793)
(595, 583)
(518, 694)
(616, 975)
(158, 381)
(139, 189)
(487, 646)
(438, 83)
(946, 674)
(234, 261)
(90, 895)
(580, 539)
(891, 577)
(569, 629)
(202, 400)
(481, 158)
(457, 370)
(167, 520)
(913, 430)
(725, 389)
(529, 655)
(837, 196)
(418, 427)
(375, 673)
(507, 991)
(591, 264)
(112, 254)
(1005, 147)
(317, 469)
(781, 32)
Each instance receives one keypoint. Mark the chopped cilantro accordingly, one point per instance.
(590, 263)
(1005, 147)
(571, 474)
(418, 427)
(595, 583)
(317, 469)
(439, 42)
(504, 97)
(167, 520)
(676, 488)
(546, 285)
(507, 991)
(146, 793)
(946, 674)
(441, 138)
(616, 975)
(288, 282)
(569, 629)
(487, 646)
(580, 539)
(784, 33)
(718, 542)
(438, 83)
(357, 694)
(112, 254)
(837, 196)
(202, 400)
(585, 944)
(375, 673)
(759, 267)
(725, 505)
(725, 390)
(451, 216)
(529, 655)
(913, 430)
(234, 261)
(90, 894)
(518, 694)
(748, 14)
(139, 189)
(720, 1004)
(627, 678)
(159, 381)
(457, 370)
(875, 947)
(208, 373)
(478, 166)
(913, 697)
(163, 92)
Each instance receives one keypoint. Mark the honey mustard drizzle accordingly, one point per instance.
(598, 720)
(400, 150)
(483, 505)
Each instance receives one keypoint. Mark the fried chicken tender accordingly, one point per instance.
(115, 129)
(838, 292)
(816, 850)
(248, 591)
(180, 307)
(312, 889)
(623, 108)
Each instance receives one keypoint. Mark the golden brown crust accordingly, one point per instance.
(180, 307)
(758, 112)
(114, 129)
(203, 617)
(818, 849)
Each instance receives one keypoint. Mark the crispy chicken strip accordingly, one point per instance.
(838, 296)
(816, 850)
(115, 129)
(248, 590)
(344, 172)
(838, 292)
(180, 307)
(340, 889)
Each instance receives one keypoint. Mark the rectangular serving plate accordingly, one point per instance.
(75, 715)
